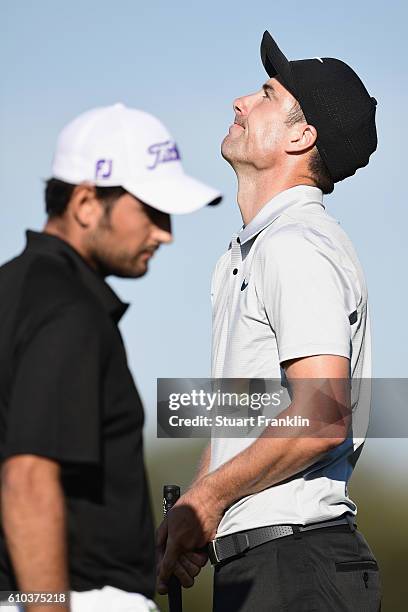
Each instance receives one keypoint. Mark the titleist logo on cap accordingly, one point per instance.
(163, 152)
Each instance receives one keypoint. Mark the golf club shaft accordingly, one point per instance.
(171, 493)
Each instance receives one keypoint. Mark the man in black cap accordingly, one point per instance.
(289, 299)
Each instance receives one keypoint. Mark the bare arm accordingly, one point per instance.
(270, 459)
(267, 461)
(33, 516)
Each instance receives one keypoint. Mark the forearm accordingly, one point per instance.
(263, 464)
(275, 456)
(194, 520)
(280, 454)
(33, 514)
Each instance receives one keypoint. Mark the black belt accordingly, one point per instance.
(225, 547)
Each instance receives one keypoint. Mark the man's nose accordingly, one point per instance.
(163, 236)
(160, 227)
(243, 105)
(162, 233)
(238, 106)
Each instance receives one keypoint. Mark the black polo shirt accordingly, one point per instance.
(66, 393)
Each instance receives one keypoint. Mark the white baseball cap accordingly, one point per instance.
(120, 146)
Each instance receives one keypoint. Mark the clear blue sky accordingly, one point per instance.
(185, 62)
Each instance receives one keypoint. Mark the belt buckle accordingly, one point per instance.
(212, 552)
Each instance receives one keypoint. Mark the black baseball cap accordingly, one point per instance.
(333, 100)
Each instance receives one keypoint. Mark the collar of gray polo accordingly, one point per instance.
(294, 196)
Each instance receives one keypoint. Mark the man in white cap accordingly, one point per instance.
(76, 515)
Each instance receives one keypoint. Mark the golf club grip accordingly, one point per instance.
(171, 493)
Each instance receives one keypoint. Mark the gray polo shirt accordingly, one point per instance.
(290, 285)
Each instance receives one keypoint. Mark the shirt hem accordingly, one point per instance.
(310, 521)
(309, 350)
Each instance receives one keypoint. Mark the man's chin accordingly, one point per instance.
(229, 150)
(135, 271)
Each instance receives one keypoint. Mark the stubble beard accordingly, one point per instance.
(229, 151)
(114, 262)
(121, 264)
(234, 152)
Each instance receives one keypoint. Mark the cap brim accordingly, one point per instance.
(179, 195)
(275, 63)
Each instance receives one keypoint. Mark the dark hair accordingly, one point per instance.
(320, 173)
(58, 194)
(317, 167)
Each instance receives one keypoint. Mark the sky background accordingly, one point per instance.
(185, 62)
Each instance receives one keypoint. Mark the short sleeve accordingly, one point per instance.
(307, 297)
(54, 408)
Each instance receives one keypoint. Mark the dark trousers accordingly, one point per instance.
(326, 570)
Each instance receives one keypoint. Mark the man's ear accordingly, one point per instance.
(84, 207)
(302, 137)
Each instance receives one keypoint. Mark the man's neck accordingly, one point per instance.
(56, 229)
(257, 189)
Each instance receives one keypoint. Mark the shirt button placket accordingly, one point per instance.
(236, 259)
